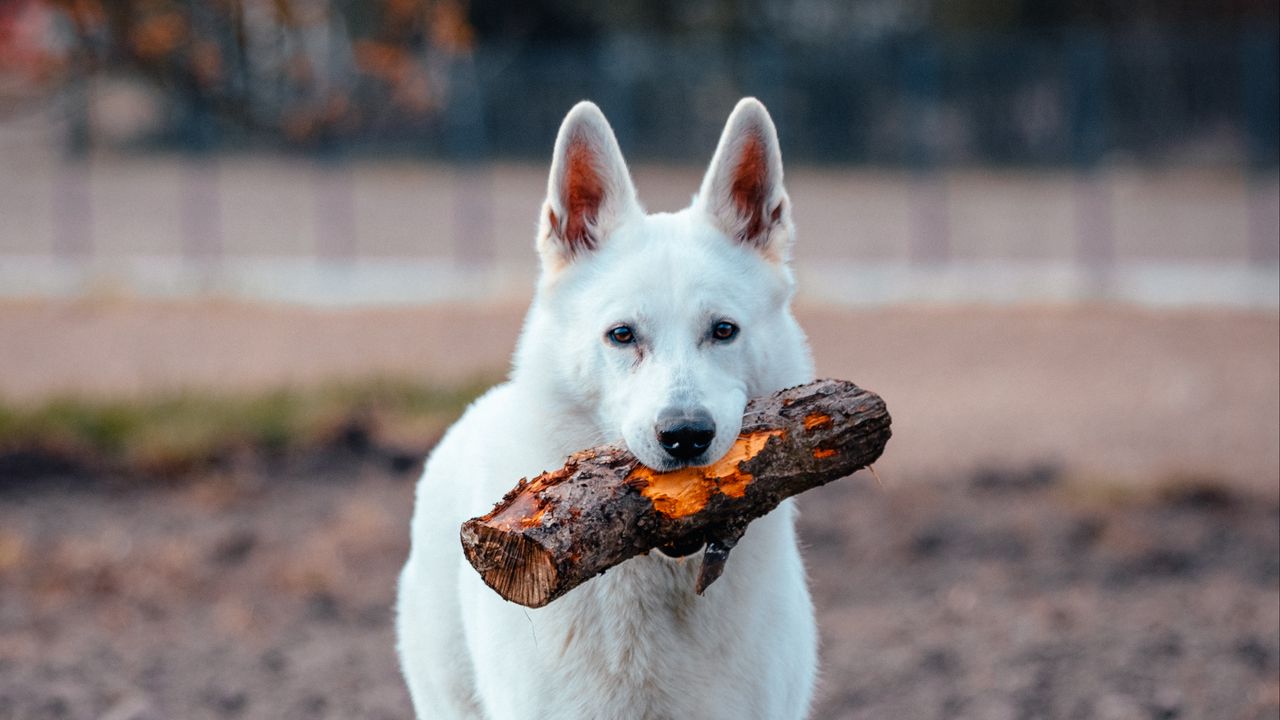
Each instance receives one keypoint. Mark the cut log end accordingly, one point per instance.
(515, 566)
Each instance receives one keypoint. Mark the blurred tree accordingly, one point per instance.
(419, 75)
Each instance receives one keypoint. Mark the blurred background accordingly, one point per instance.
(255, 255)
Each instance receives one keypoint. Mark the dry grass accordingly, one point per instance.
(176, 432)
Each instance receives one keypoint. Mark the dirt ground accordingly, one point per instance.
(1080, 519)
(1003, 594)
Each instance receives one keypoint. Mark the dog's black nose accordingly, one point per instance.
(685, 434)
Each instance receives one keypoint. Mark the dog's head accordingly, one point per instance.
(660, 327)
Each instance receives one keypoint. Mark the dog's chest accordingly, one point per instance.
(640, 636)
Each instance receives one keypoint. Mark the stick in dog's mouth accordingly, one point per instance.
(564, 527)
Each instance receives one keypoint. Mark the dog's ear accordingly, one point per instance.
(742, 190)
(590, 190)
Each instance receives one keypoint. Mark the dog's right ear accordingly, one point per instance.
(589, 192)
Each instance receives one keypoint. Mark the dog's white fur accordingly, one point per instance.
(635, 642)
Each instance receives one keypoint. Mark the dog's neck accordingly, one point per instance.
(563, 414)
(565, 424)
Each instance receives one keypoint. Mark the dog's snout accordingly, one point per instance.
(685, 434)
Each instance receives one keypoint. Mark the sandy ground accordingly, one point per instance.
(1126, 393)
(1081, 518)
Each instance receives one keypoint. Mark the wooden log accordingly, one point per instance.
(551, 534)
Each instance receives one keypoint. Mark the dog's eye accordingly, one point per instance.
(724, 330)
(622, 335)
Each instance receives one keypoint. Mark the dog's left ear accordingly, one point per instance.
(589, 192)
(742, 190)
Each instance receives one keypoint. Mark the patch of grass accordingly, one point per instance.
(186, 429)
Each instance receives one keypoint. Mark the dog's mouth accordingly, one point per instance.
(670, 465)
(682, 548)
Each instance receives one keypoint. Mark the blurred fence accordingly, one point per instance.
(1150, 95)
(1075, 98)
(1132, 165)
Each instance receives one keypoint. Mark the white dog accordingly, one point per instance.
(653, 330)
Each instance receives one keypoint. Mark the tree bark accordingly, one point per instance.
(551, 534)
